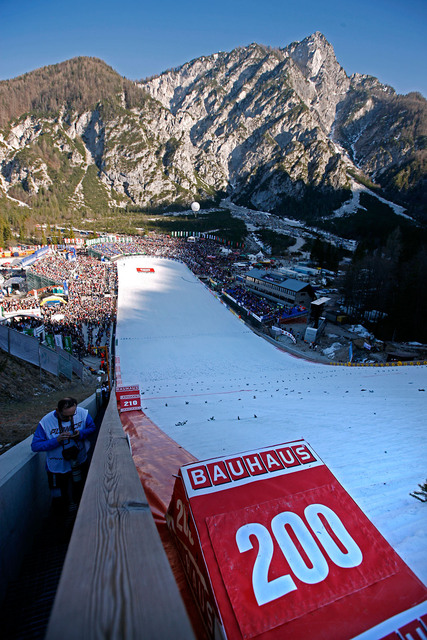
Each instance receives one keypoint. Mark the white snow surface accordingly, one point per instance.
(360, 330)
(353, 204)
(217, 388)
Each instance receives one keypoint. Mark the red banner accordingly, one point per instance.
(130, 403)
(285, 551)
(126, 390)
(128, 397)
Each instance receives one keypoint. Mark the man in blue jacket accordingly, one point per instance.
(63, 434)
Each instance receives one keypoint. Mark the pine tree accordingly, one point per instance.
(420, 495)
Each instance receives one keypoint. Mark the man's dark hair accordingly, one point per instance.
(66, 403)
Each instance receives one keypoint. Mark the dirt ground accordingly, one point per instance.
(332, 345)
(334, 341)
(27, 393)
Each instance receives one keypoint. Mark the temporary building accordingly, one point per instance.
(52, 300)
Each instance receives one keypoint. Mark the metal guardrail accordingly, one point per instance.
(27, 348)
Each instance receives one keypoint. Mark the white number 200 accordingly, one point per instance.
(265, 590)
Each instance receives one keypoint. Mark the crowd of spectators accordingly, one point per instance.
(204, 257)
(89, 309)
(263, 308)
(16, 304)
(26, 324)
(287, 313)
(250, 302)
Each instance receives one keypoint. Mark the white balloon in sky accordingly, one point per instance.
(195, 207)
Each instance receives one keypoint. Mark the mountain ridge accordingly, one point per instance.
(275, 129)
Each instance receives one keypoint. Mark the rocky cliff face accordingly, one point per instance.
(385, 136)
(255, 122)
(276, 129)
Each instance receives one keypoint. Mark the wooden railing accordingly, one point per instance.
(116, 582)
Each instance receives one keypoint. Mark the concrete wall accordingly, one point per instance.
(116, 581)
(24, 502)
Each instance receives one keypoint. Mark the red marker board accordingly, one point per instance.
(130, 403)
(274, 548)
(129, 398)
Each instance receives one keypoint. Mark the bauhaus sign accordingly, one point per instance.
(283, 551)
(247, 467)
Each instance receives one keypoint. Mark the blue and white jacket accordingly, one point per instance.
(45, 438)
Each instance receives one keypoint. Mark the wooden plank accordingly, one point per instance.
(117, 582)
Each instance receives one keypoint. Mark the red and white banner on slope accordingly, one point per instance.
(274, 547)
(128, 397)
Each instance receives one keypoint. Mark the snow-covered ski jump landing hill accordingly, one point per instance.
(215, 387)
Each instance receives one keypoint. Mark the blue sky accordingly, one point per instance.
(383, 38)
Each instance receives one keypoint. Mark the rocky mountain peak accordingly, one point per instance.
(254, 123)
(311, 54)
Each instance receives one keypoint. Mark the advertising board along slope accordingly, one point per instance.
(274, 547)
(128, 397)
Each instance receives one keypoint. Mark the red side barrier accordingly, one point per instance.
(158, 459)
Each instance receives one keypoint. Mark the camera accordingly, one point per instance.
(70, 450)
